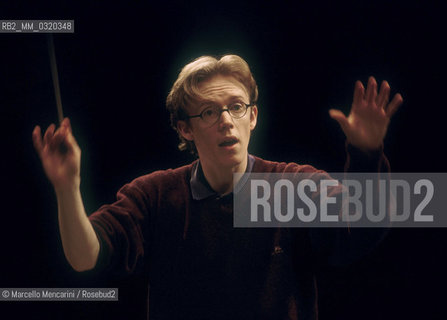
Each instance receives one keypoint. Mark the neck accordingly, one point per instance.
(221, 178)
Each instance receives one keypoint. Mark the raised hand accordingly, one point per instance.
(367, 123)
(60, 155)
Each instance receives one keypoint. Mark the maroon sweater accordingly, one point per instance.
(200, 267)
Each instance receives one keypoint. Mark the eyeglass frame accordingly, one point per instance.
(222, 110)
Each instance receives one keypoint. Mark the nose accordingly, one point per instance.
(226, 120)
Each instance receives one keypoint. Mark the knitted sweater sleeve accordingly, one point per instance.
(145, 209)
(342, 246)
(121, 229)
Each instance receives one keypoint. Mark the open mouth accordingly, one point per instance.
(228, 142)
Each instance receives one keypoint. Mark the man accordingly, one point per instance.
(178, 223)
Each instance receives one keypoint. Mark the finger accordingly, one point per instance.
(394, 105)
(71, 143)
(37, 139)
(359, 94)
(58, 142)
(66, 123)
(338, 116)
(384, 95)
(48, 134)
(371, 91)
(63, 139)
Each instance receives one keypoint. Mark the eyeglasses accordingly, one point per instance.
(212, 114)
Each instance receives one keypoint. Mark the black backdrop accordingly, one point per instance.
(115, 72)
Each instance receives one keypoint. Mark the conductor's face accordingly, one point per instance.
(221, 122)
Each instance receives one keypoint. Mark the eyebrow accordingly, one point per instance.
(232, 99)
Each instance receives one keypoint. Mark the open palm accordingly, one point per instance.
(367, 123)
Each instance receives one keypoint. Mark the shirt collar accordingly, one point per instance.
(200, 188)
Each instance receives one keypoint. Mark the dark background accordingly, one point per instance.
(115, 72)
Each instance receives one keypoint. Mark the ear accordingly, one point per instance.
(253, 117)
(185, 130)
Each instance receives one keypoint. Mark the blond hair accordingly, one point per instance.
(185, 90)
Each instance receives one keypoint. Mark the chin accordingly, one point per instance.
(232, 160)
